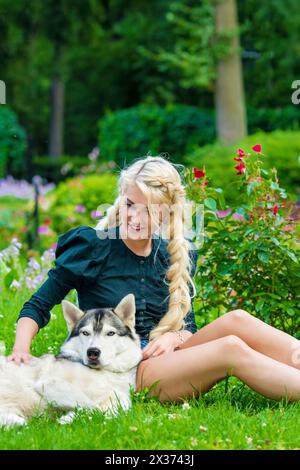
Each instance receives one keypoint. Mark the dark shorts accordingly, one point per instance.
(144, 343)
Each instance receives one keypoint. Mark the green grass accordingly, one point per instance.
(229, 416)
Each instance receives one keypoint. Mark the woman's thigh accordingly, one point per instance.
(186, 372)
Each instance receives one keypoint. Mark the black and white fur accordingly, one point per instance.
(95, 369)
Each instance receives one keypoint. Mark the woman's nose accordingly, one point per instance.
(135, 219)
(137, 214)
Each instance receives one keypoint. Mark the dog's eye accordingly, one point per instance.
(111, 333)
(85, 333)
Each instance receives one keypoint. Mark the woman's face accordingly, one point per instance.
(135, 216)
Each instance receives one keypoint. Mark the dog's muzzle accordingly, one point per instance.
(93, 355)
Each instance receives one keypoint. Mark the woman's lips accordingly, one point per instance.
(135, 228)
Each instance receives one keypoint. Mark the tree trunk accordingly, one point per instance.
(56, 131)
(230, 100)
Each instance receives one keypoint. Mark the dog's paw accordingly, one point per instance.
(11, 419)
(67, 419)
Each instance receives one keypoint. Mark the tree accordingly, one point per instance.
(64, 23)
(37, 52)
(229, 89)
(207, 55)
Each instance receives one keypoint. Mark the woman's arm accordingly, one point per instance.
(26, 330)
(35, 313)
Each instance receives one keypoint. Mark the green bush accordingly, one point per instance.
(12, 143)
(56, 169)
(175, 129)
(83, 193)
(12, 220)
(73, 202)
(249, 256)
(281, 150)
(268, 120)
(135, 132)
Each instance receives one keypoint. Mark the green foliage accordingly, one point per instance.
(179, 129)
(270, 40)
(250, 256)
(86, 192)
(103, 63)
(194, 52)
(56, 169)
(73, 202)
(12, 219)
(281, 148)
(12, 143)
(175, 129)
(270, 119)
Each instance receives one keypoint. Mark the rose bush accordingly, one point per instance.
(249, 257)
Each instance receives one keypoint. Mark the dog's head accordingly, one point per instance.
(102, 338)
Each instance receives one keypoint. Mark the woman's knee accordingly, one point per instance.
(233, 349)
(234, 318)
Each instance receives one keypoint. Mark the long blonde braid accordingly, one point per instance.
(178, 273)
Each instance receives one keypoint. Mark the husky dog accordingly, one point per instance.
(95, 368)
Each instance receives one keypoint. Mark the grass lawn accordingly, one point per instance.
(230, 416)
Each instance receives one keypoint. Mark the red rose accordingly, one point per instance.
(198, 173)
(241, 153)
(240, 167)
(257, 148)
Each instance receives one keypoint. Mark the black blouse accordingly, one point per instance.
(100, 266)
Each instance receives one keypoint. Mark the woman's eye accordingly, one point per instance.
(85, 333)
(111, 333)
(144, 210)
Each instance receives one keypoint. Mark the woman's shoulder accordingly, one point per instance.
(81, 251)
(80, 237)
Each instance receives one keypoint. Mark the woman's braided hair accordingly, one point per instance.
(160, 182)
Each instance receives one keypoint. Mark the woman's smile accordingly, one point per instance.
(135, 228)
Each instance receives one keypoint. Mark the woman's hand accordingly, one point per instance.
(162, 345)
(20, 356)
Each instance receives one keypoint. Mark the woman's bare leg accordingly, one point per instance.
(258, 335)
(187, 372)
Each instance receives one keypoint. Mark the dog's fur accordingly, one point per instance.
(95, 369)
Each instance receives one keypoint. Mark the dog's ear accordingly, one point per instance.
(71, 313)
(126, 310)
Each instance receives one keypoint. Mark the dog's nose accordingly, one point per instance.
(93, 353)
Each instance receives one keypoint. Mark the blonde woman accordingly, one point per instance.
(125, 254)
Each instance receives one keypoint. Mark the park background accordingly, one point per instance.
(212, 85)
